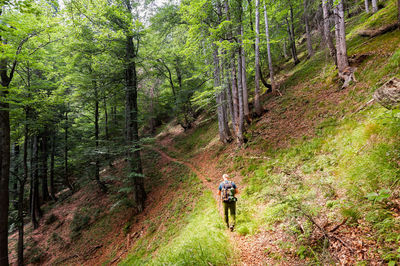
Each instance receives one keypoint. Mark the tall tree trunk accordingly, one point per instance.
(374, 6)
(66, 172)
(224, 132)
(271, 68)
(52, 158)
(96, 138)
(228, 90)
(284, 49)
(21, 195)
(342, 60)
(35, 184)
(366, 6)
(293, 37)
(292, 43)
(240, 83)
(43, 168)
(308, 32)
(327, 31)
(131, 122)
(244, 79)
(257, 104)
(4, 157)
(16, 167)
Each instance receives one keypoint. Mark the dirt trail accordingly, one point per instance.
(251, 250)
(199, 174)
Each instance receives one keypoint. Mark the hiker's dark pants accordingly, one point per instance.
(230, 206)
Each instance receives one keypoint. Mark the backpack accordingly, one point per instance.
(228, 192)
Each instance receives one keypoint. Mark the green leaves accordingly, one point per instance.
(382, 195)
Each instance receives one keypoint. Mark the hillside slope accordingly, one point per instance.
(318, 179)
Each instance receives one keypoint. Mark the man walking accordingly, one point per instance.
(227, 191)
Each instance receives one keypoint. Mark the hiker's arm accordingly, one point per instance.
(236, 191)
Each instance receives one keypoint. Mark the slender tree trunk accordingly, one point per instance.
(35, 184)
(52, 157)
(224, 133)
(327, 31)
(244, 80)
(96, 138)
(240, 83)
(66, 172)
(271, 68)
(228, 90)
(21, 195)
(235, 96)
(43, 168)
(257, 104)
(374, 6)
(342, 60)
(308, 32)
(107, 137)
(284, 49)
(292, 43)
(4, 160)
(366, 6)
(131, 122)
(16, 174)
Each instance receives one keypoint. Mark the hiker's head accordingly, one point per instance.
(225, 177)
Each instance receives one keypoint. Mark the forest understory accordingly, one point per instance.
(112, 150)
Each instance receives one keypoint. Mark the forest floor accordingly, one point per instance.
(255, 249)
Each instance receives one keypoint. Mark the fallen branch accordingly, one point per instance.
(326, 234)
(337, 226)
(382, 30)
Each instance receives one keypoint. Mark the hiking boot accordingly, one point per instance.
(232, 226)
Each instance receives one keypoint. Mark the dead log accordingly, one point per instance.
(389, 94)
(382, 30)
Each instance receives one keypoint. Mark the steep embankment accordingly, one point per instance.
(319, 175)
(318, 178)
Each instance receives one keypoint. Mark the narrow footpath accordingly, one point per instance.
(254, 250)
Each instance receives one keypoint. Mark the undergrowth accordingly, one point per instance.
(188, 230)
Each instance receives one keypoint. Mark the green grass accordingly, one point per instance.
(190, 144)
(192, 232)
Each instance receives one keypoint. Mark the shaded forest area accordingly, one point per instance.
(85, 83)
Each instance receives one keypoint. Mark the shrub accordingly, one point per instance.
(51, 219)
(79, 222)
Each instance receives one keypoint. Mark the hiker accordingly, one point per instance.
(227, 190)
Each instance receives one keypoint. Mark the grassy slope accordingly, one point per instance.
(188, 231)
(344, 166)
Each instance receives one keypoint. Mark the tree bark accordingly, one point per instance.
(43, 169)
(374, 6)
(327, 31)
(244, 80)
(308, 32)
(366, 6)
(131, 121)
(341, 48)
(96, 138)
(52, 158)
(4, 158)
(66, 172)
(257, 104)
(224, 132)
(240, 82)
(35, 184)
(21, 194)
(271, 68)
